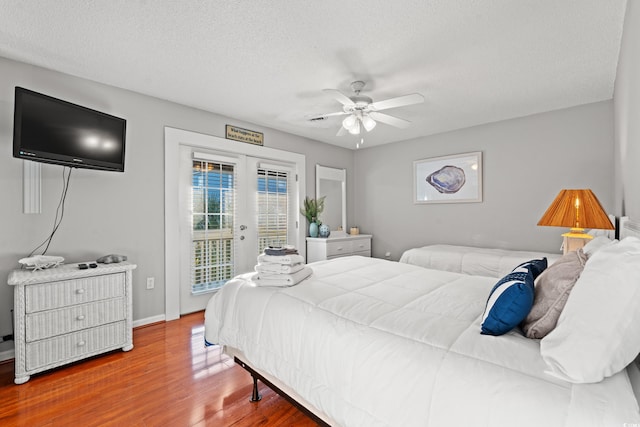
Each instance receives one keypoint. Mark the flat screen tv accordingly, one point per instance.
(50, 130)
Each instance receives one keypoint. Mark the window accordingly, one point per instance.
(213, 201)
(273, 208)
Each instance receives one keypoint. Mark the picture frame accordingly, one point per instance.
(448, 179)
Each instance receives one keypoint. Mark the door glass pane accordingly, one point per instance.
(273, 208)
(213, 196)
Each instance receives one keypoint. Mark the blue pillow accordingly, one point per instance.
(536, 266)
(509, 302)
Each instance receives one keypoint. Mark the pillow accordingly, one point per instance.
(596, 244)
(598, 332)
(509, 302)
(536, 266)
(552, 289)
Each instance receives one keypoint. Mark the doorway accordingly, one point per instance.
(267, 166)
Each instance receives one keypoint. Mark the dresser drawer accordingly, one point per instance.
(45, 324)
(361, 245)
(47, 296)
(75, 345)
(339, 248)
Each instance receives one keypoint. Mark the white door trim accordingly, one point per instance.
(173, 138)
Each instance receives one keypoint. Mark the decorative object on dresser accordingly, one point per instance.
(66, 314)
(311, 210)
(40, 262)
(319, 249)
(108, 259)
(577, 209)
(324, 231)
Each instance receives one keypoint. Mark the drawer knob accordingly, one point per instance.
(80, 291)
(81, 343)
(80, 317)
(339, 249)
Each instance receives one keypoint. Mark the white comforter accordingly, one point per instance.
(377, 343)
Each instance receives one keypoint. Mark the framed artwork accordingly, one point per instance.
(448, 179)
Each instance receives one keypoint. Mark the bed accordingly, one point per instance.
(492, 262)
(370, 342)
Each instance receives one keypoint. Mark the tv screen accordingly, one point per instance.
(50, 130)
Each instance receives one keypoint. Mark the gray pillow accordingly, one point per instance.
(551, 293)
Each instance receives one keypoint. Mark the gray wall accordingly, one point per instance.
(526, 162)
(108, 212)
(627, 118)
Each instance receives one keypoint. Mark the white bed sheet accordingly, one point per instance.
(471, 260)
(371, 342)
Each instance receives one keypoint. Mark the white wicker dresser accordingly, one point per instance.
(65, 314)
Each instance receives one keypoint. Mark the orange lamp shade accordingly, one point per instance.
(577, 209)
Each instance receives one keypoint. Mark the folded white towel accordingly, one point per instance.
(282, 280)
(274, 268)
(281, 259)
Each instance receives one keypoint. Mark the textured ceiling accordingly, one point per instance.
(266, 62)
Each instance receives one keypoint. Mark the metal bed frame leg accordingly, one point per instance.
(255, 396)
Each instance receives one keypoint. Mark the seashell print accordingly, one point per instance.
(447, 180)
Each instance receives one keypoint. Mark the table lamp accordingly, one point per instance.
(576, 209)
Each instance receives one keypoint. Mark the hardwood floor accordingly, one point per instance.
(168, 379)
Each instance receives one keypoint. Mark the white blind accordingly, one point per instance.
(213, 219)
(274, 205)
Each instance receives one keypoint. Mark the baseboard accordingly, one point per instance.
(149, 320)
(7, 355)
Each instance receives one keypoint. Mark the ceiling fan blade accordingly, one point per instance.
(414, 98)
(390, 120)
(339, 96)
(324, 116)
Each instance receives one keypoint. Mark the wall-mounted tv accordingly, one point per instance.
(50, 130)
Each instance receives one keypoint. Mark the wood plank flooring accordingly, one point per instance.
(168, 379)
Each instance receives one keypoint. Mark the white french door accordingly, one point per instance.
(232, 206)
(174, 183)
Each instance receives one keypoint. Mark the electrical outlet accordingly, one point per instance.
(151, 283)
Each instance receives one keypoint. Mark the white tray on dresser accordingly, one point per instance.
(65, 314)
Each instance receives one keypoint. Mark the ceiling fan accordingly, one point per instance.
(363, 113)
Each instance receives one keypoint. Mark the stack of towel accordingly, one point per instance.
(280, 267)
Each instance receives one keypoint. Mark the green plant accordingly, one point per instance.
(312, 208)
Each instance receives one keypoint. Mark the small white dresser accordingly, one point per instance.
(65, 314)
(319, 249)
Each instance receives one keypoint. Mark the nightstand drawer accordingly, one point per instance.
(45, 324)
(75, 346)
(47, 296)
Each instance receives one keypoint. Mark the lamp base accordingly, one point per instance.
(575, 239)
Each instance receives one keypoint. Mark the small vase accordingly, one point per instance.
(313, 229)
(324, 231)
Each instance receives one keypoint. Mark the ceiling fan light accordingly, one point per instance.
(355, 129)
(349, 122)
(368, 123)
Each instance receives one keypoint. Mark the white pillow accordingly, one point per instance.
(596, 244)
(598, 331)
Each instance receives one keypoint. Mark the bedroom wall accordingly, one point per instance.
(627, 118)
(109, 212)
(526, 162)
